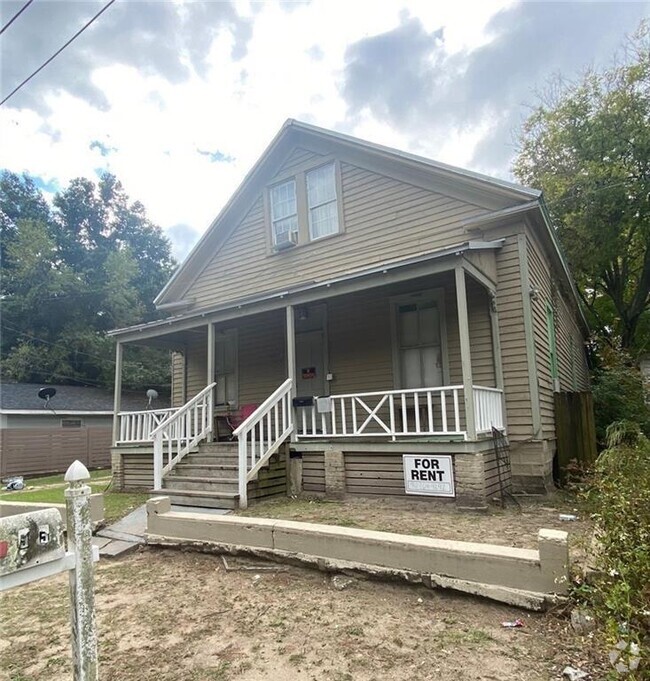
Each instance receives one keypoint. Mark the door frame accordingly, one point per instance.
(437, 295)
(324, 332)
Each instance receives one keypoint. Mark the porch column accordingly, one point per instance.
(496, 351)
(291, 356)
(465, 353)
(117, 397)
(210, 370)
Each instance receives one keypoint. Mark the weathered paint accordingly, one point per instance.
(82, 578)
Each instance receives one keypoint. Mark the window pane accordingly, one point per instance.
(431, 367)
(408, 328)
(429, 326)
(283, 200)
(323, 220)
(321, 186)
(287, 225)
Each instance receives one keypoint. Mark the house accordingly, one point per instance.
(361, 304)
(41, 435)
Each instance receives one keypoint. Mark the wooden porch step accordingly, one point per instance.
(205, 470)
(210, 459)
(199, 498)
(218, 447)
(178, 482)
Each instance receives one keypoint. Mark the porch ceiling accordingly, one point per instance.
(174, 330)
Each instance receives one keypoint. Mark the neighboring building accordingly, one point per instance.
(427, 303)
(46, 437)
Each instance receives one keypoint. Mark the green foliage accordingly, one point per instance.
(619, 500)
(91, 263)
(618, 393)
(587, 146)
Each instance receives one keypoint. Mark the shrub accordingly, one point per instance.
(619, 501)
(618, 393)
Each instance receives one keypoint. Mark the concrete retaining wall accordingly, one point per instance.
(8, 508)
(523, 577)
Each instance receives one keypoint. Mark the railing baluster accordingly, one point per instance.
(443, 410)
(323, 425)
(344, 427)
(313, 419)
(391, 415)
(276, 421)
(456, 411)
(430, 411)
(333, 418)
(405, 425)
(353, 401)
(416, 404)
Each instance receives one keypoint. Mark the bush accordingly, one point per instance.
(618, 393)
(619, 501)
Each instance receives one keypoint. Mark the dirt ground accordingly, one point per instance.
(166, 615)
(515, 525)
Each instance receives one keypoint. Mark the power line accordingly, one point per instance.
(15, 16)
(58, 52)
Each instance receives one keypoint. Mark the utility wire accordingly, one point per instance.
(58, 52)
(15, 16)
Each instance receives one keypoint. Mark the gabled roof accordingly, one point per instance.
(22, 397)
(290, 135)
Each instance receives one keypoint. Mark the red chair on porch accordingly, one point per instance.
(236, 418)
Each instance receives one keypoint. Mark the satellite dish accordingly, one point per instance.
(152, 395)
(46, 394)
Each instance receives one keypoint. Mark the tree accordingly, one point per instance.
(587, 146)
(72, 272)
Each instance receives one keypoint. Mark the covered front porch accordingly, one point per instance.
(406, 356)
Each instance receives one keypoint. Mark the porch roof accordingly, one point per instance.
(430, 262)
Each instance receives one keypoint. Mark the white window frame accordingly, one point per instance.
(438, 297)
(303, 235)
(274, 220)
(335, 201)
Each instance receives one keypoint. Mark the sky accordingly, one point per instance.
(179, 98)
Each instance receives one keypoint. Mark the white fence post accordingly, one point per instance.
(82, 577)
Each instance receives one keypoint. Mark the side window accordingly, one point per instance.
(322, 202)
(284, 213)
(225, 362)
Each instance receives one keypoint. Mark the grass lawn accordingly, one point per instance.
(116, 504)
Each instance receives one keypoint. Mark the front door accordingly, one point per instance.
(311, 351)
(419, 340)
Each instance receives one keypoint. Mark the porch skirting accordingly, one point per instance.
(334, 470)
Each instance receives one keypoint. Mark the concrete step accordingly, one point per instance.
(197, 498)
(206, 470)
(200, 484)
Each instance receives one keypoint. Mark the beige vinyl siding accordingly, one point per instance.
(384, 219)
(196, 363)
(178, 379)
(513, 341)
(540, 278)
(261, 356)
(566, 328)
(295, 160)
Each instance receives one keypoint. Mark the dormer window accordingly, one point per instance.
(305, 207)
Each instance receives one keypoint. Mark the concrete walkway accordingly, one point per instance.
(124, 536)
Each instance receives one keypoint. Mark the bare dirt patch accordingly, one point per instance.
(515, 525)
(166, 615)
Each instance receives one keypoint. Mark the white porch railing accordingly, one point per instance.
(182, 431)
(488, 408)
(398, 413)
(261, 434)
(137, 426)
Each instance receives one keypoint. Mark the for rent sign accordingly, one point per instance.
(429, 475)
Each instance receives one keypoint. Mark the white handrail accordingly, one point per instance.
(412, 412)
(137, 426)
(261, 434)
(182, 431)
